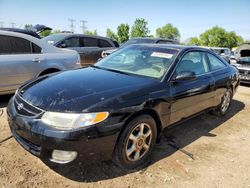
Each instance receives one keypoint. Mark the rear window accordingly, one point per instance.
(14, 45)
(215, 63)
(116, 44)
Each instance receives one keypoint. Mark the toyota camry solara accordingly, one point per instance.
(117, 108)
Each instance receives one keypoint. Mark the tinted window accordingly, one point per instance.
(14, 45)
(72, 42)
(215, 63)
(104, 44)
(36, 49)
(90, 42)
(193, 61)
(116, 43)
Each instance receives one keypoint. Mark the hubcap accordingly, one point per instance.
(226, 101)
(138, 142)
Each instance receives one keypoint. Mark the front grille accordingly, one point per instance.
(24, 108)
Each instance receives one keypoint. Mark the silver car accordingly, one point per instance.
(23, 57)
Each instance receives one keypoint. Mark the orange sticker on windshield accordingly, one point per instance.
(162, 55)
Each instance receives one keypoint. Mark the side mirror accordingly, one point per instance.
(185, 75)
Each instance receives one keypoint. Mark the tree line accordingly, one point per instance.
(214, 37)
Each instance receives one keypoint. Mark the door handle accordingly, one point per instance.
(36, 60)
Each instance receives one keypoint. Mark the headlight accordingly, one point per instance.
(68, 121)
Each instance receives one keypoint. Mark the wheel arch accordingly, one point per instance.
(151, 112)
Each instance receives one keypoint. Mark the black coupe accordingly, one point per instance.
(118, 107)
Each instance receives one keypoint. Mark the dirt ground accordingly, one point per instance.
(213, 152)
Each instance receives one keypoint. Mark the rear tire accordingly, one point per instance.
(225, 103)
(135, 143)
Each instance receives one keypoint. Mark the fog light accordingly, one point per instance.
(59, 156)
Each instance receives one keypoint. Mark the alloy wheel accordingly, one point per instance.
(138, 142)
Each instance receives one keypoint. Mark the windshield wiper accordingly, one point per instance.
(112, 70)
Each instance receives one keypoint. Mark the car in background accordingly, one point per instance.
(140, 40)
(23, 57)
(242, 62)
(243, 65)
(89, 47)
(32, 31)
(119, 107)
(223, 52)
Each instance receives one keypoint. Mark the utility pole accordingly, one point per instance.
(1, 24)
(13, 24)
(72, 26)
(84, 27)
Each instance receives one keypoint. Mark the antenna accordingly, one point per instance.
(72, 26)
(84, 27)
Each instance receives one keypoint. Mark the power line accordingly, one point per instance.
(84, 27)
(72, 26)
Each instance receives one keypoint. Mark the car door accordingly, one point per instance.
(221, 75)
(191, 96)
(90, 52)
(19, 62)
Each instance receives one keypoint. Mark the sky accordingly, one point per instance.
(191, 17)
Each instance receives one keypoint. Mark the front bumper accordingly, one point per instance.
(93, 143)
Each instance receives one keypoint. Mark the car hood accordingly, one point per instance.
(87, 89)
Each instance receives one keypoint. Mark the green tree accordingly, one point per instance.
(168, 31)
(140, 28)
(123, 32)
(219, 37)
(91, 32)
(111, 34)
(194, 41)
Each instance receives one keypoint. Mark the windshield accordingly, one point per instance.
(140, 60)
(52, 39)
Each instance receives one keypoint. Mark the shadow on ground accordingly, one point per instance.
(175, 138)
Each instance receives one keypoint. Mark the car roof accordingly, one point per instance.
(173, 46)
(153, 39)
(83, 35)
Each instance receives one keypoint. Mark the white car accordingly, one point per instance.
(23, 57)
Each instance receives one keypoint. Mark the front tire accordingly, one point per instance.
(136, 143)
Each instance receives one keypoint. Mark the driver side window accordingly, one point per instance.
(193, 62)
